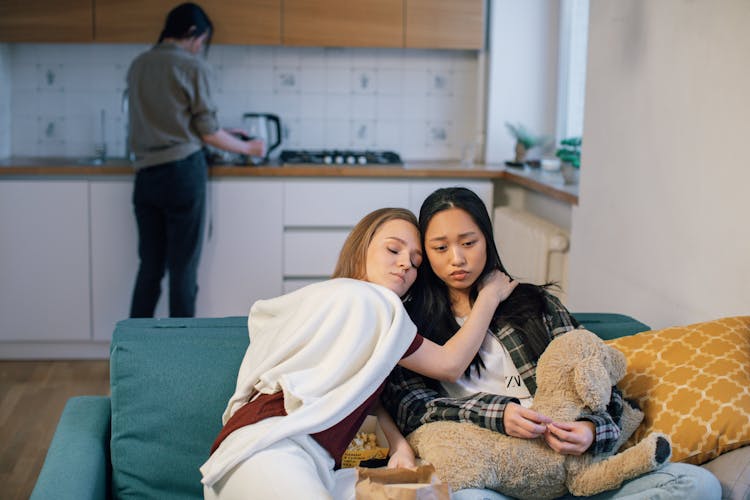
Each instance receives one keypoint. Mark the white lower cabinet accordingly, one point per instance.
(44, 263)
(341, 202)
(242, 256)
(312, 253)
(114, 255)
(419, 189)
(240, 262)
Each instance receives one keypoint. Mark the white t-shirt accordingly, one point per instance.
(499, 375)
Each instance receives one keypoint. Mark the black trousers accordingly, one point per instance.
(169, 201)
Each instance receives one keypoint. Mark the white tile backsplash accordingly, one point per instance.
(338, 106)
(339, 80)
(337, 133)
(420, 103)
(312, 135)
(364, 81)
(22, 75)
(364, 107)
(363, 134)
(256, 58)
(388, 106)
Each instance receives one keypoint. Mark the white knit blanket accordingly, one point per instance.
(328, 346)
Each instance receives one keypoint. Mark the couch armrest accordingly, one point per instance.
(78, 464)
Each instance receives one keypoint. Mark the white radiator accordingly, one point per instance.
(532, 249)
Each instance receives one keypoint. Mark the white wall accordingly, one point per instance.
(4, 101)
(522, 76)
(662, 231)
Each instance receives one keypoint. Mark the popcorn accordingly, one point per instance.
(369, 443)
(363, 441)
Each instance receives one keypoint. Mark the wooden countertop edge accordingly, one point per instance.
(410, 170)
(550, 190)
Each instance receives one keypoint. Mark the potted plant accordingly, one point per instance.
(569, 153)
(525, 140)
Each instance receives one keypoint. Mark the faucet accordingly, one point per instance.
(124, 106)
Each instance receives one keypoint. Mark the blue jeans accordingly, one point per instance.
(169, 201)
(673, 481)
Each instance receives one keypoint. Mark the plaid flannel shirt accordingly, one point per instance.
(413, 400)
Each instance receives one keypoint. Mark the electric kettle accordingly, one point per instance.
(263, 126)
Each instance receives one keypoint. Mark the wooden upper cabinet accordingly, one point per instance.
(343, 23)
(248, 22)
(46, 20)
(433, 24)
(444, 24)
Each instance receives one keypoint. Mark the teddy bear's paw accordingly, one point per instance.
(663, 449)
(586, 479)
(655, 449)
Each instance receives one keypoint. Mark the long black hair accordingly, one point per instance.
(187, 20)
(429, 304)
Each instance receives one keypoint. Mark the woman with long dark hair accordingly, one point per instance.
(171, 117)
(497, 388)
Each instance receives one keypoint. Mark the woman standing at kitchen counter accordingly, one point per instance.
(171, 116)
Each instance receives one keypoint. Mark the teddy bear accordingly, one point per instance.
(575, 375)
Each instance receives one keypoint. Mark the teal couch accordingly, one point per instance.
(170, 381)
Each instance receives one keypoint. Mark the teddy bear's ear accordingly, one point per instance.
(592, 383)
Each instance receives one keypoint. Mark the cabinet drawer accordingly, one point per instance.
(422, 188)
(340, 203)
(310, 253)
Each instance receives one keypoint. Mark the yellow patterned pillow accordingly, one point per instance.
(693, 384)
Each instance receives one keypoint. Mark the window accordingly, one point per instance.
(574, 18)
(536, 70)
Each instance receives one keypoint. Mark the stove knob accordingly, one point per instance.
(351, 160)
(327, 159)
(339, 159)
(362, 160)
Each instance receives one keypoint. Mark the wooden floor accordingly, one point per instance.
(32, 397)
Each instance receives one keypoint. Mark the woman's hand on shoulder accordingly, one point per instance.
(497, 284)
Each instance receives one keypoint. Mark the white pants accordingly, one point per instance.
(289, 469)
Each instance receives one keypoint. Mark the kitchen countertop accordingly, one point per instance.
(548, 183)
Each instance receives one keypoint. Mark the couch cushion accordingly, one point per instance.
(693, 384)
(170, 382)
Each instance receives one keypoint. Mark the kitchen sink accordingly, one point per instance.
(109, 162)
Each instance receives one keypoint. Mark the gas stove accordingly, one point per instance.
(339, 157)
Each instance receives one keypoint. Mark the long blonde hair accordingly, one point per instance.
(352, 261)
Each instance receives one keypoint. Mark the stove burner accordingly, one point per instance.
(340, 157)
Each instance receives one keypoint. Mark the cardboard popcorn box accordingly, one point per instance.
(401, 484)
(355, 454)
